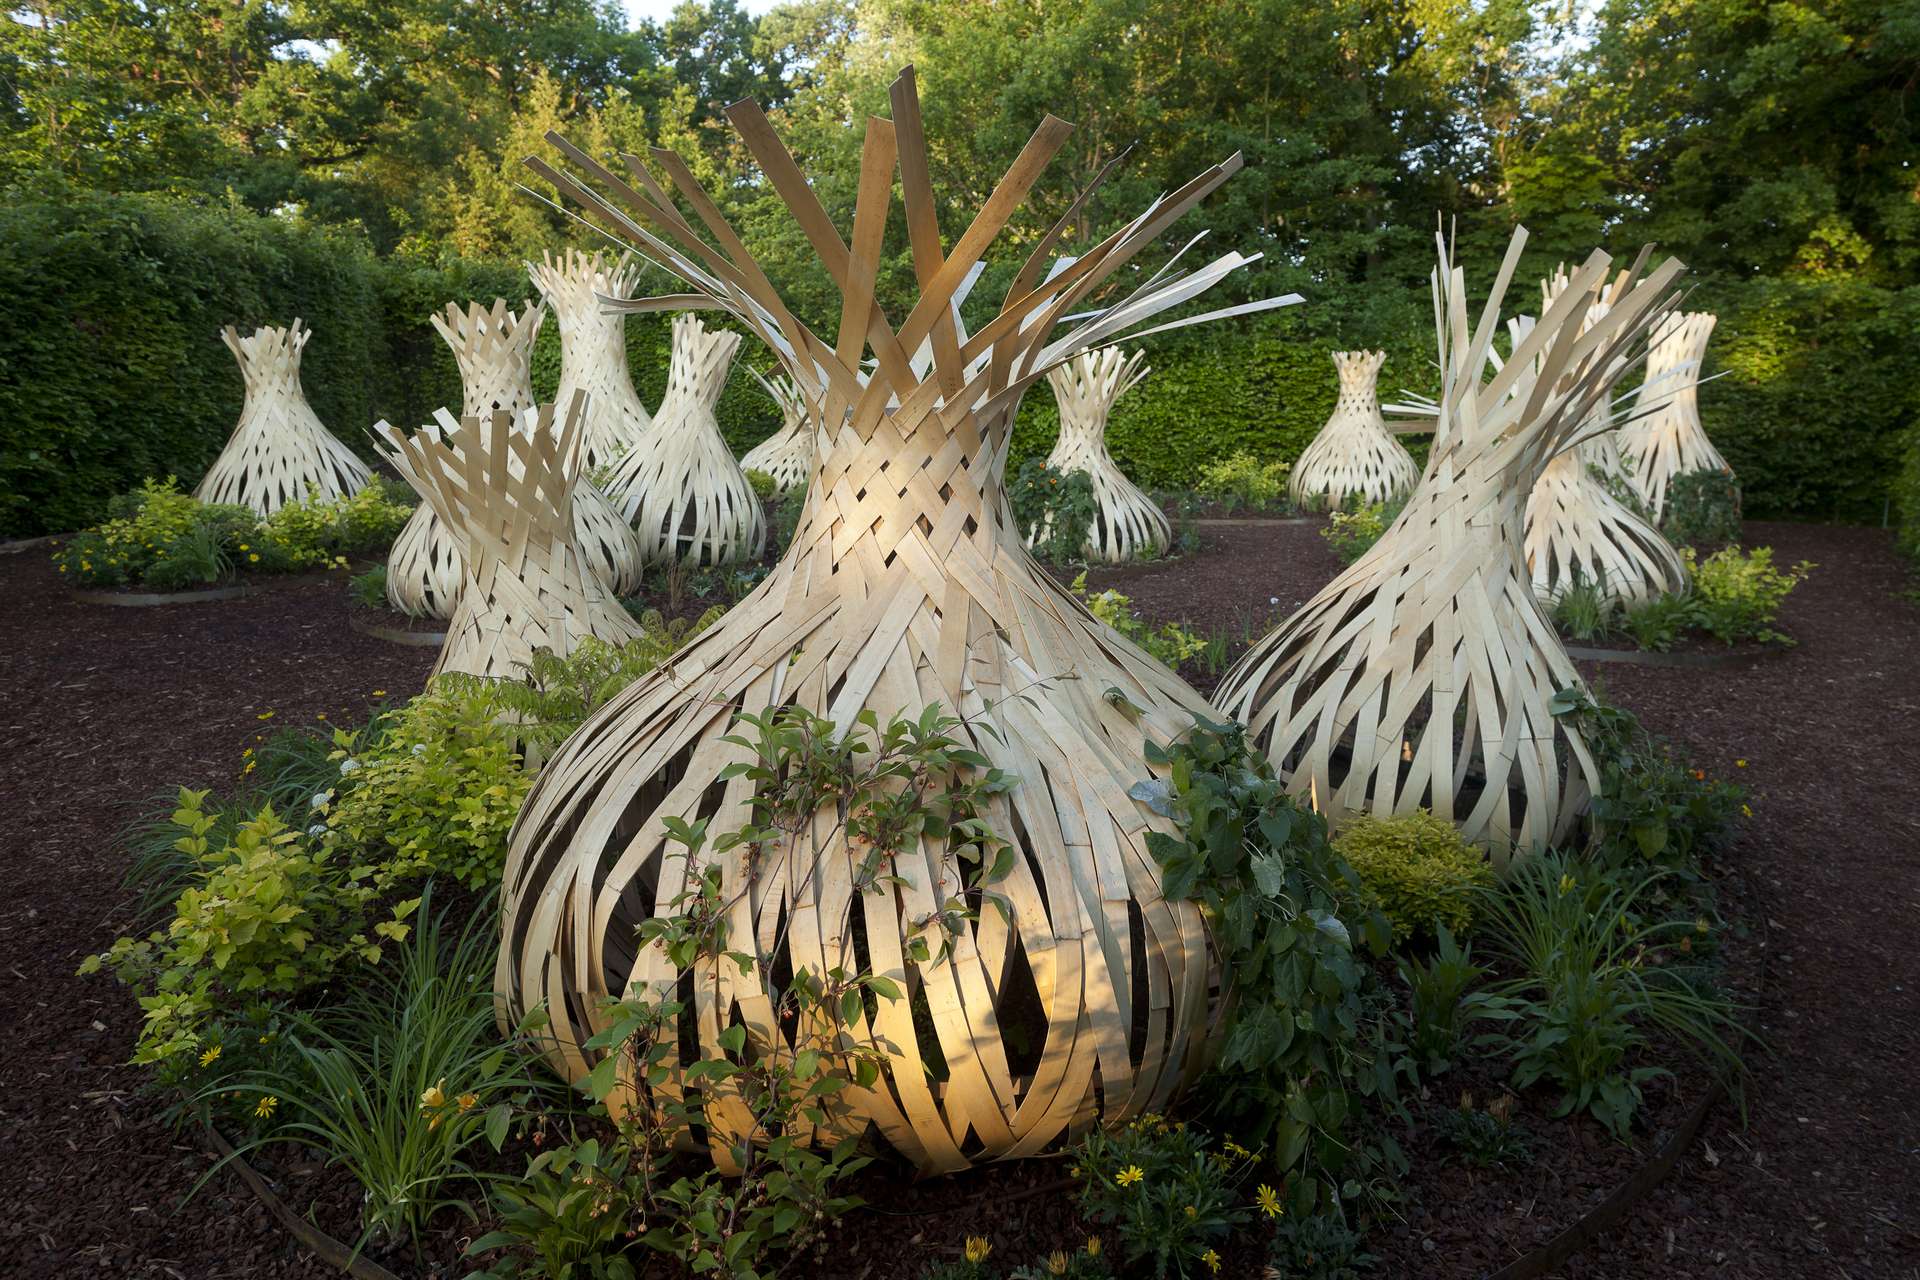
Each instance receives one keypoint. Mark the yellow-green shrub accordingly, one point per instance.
(1416, 869)
(1242, 480)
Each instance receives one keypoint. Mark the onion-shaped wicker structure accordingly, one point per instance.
(1127, 524)
(680, 488)
(1577, 531)
(1353, 456)
(593, 347)
(506, 490)
(279, 452)
(494, 349)
(1669, 440)
(1422, 676)
(906, 585)
(787, 454)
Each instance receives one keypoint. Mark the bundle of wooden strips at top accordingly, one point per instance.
(1424, 676)
(906, 585)
(593, 347)
(504, 486)
(279, 451)
(494, 349)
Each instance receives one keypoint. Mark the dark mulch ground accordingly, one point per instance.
(109, 705)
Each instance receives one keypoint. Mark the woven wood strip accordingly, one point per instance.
(1577, 531)
(680, 488)
(1353, 456)
(1670, 441)
(494, 349)
(593, 347)
(279, 452)
(1421, 677)
(906, 584)
(787, 454)
(1127, 523)
(506, 489)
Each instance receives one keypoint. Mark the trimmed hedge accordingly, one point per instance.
(112, 371)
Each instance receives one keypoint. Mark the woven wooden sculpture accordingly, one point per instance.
(787, 454)
(506, 489)
(279, 452)
(494, 349)
(906, 585)
(1577, 531)
(593, 347)
(680, 488)
(1126, 523)
(1421, 677)
(1353, 455)
(1669, 440)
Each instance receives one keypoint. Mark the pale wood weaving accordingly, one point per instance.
(1669, 441)
(593, 347)
(906, 585)
(680, 488)
(787, 454)
(1421, 677)
(279, 452)
(506, 490)
(1353, 456)
(494, 349)
(1578, 532)
(1127, 523)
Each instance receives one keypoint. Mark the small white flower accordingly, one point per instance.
(1273, 599)
(348, 765)
(321, 799)
(317, 830)
(419, 748)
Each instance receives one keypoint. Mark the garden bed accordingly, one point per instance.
(111, 704)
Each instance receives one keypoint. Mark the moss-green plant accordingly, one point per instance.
(1170, 642)
(1242, 480)
(1739, 593)
(268, 912)
(1417, 870)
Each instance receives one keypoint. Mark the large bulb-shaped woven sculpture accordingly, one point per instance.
(1669, 441)
(494, 349)
(506, 488)
(593, 347)
(787, 454)
(905, 586)
(1126, 524)
(1353, 456)
(680, 488)
(1422, 676)
(1577, 531)
(279, 452)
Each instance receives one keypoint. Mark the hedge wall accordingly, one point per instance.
(111, 368)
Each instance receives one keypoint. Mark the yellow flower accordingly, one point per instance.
(434, 1097)
(1739, 764)
(1212, 1258)
(247, 753)
(321, 716)
(1747, 810)
(249, 769)
(265, 1106)
(1192, 1213)
(978, 1248)
(1130, 1175)
(1700, 925)
(1567, 883)
(264, 715)
(253, 558)
(468, 1101)
(379, 693)
(1093, 1246)
(245, 547)
(1268, 1200)
(210, 1057)
(1057, 1264)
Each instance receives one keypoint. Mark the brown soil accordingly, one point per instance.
(109, 705)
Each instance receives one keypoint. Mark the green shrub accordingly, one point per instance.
(1597, 979)
(1170, 1200)
(1416, 870)
(1170, 642)
(316, 532)
(1444, 1002)
(369, 590)
(269, 912)
(1487, 1139)
(1739, 593)
(1702, 509)
(1658, 624)
(1053, 509)
(1242, 480)
(1305, 1042)
(1319, 1246)
(434, 793)
(1351, 533)
(1906, 498)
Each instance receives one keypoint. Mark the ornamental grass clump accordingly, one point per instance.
(1417, 870)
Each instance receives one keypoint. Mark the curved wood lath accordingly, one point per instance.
(1421, 677)
(279, 452)
(787, 454)
(906, 585)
